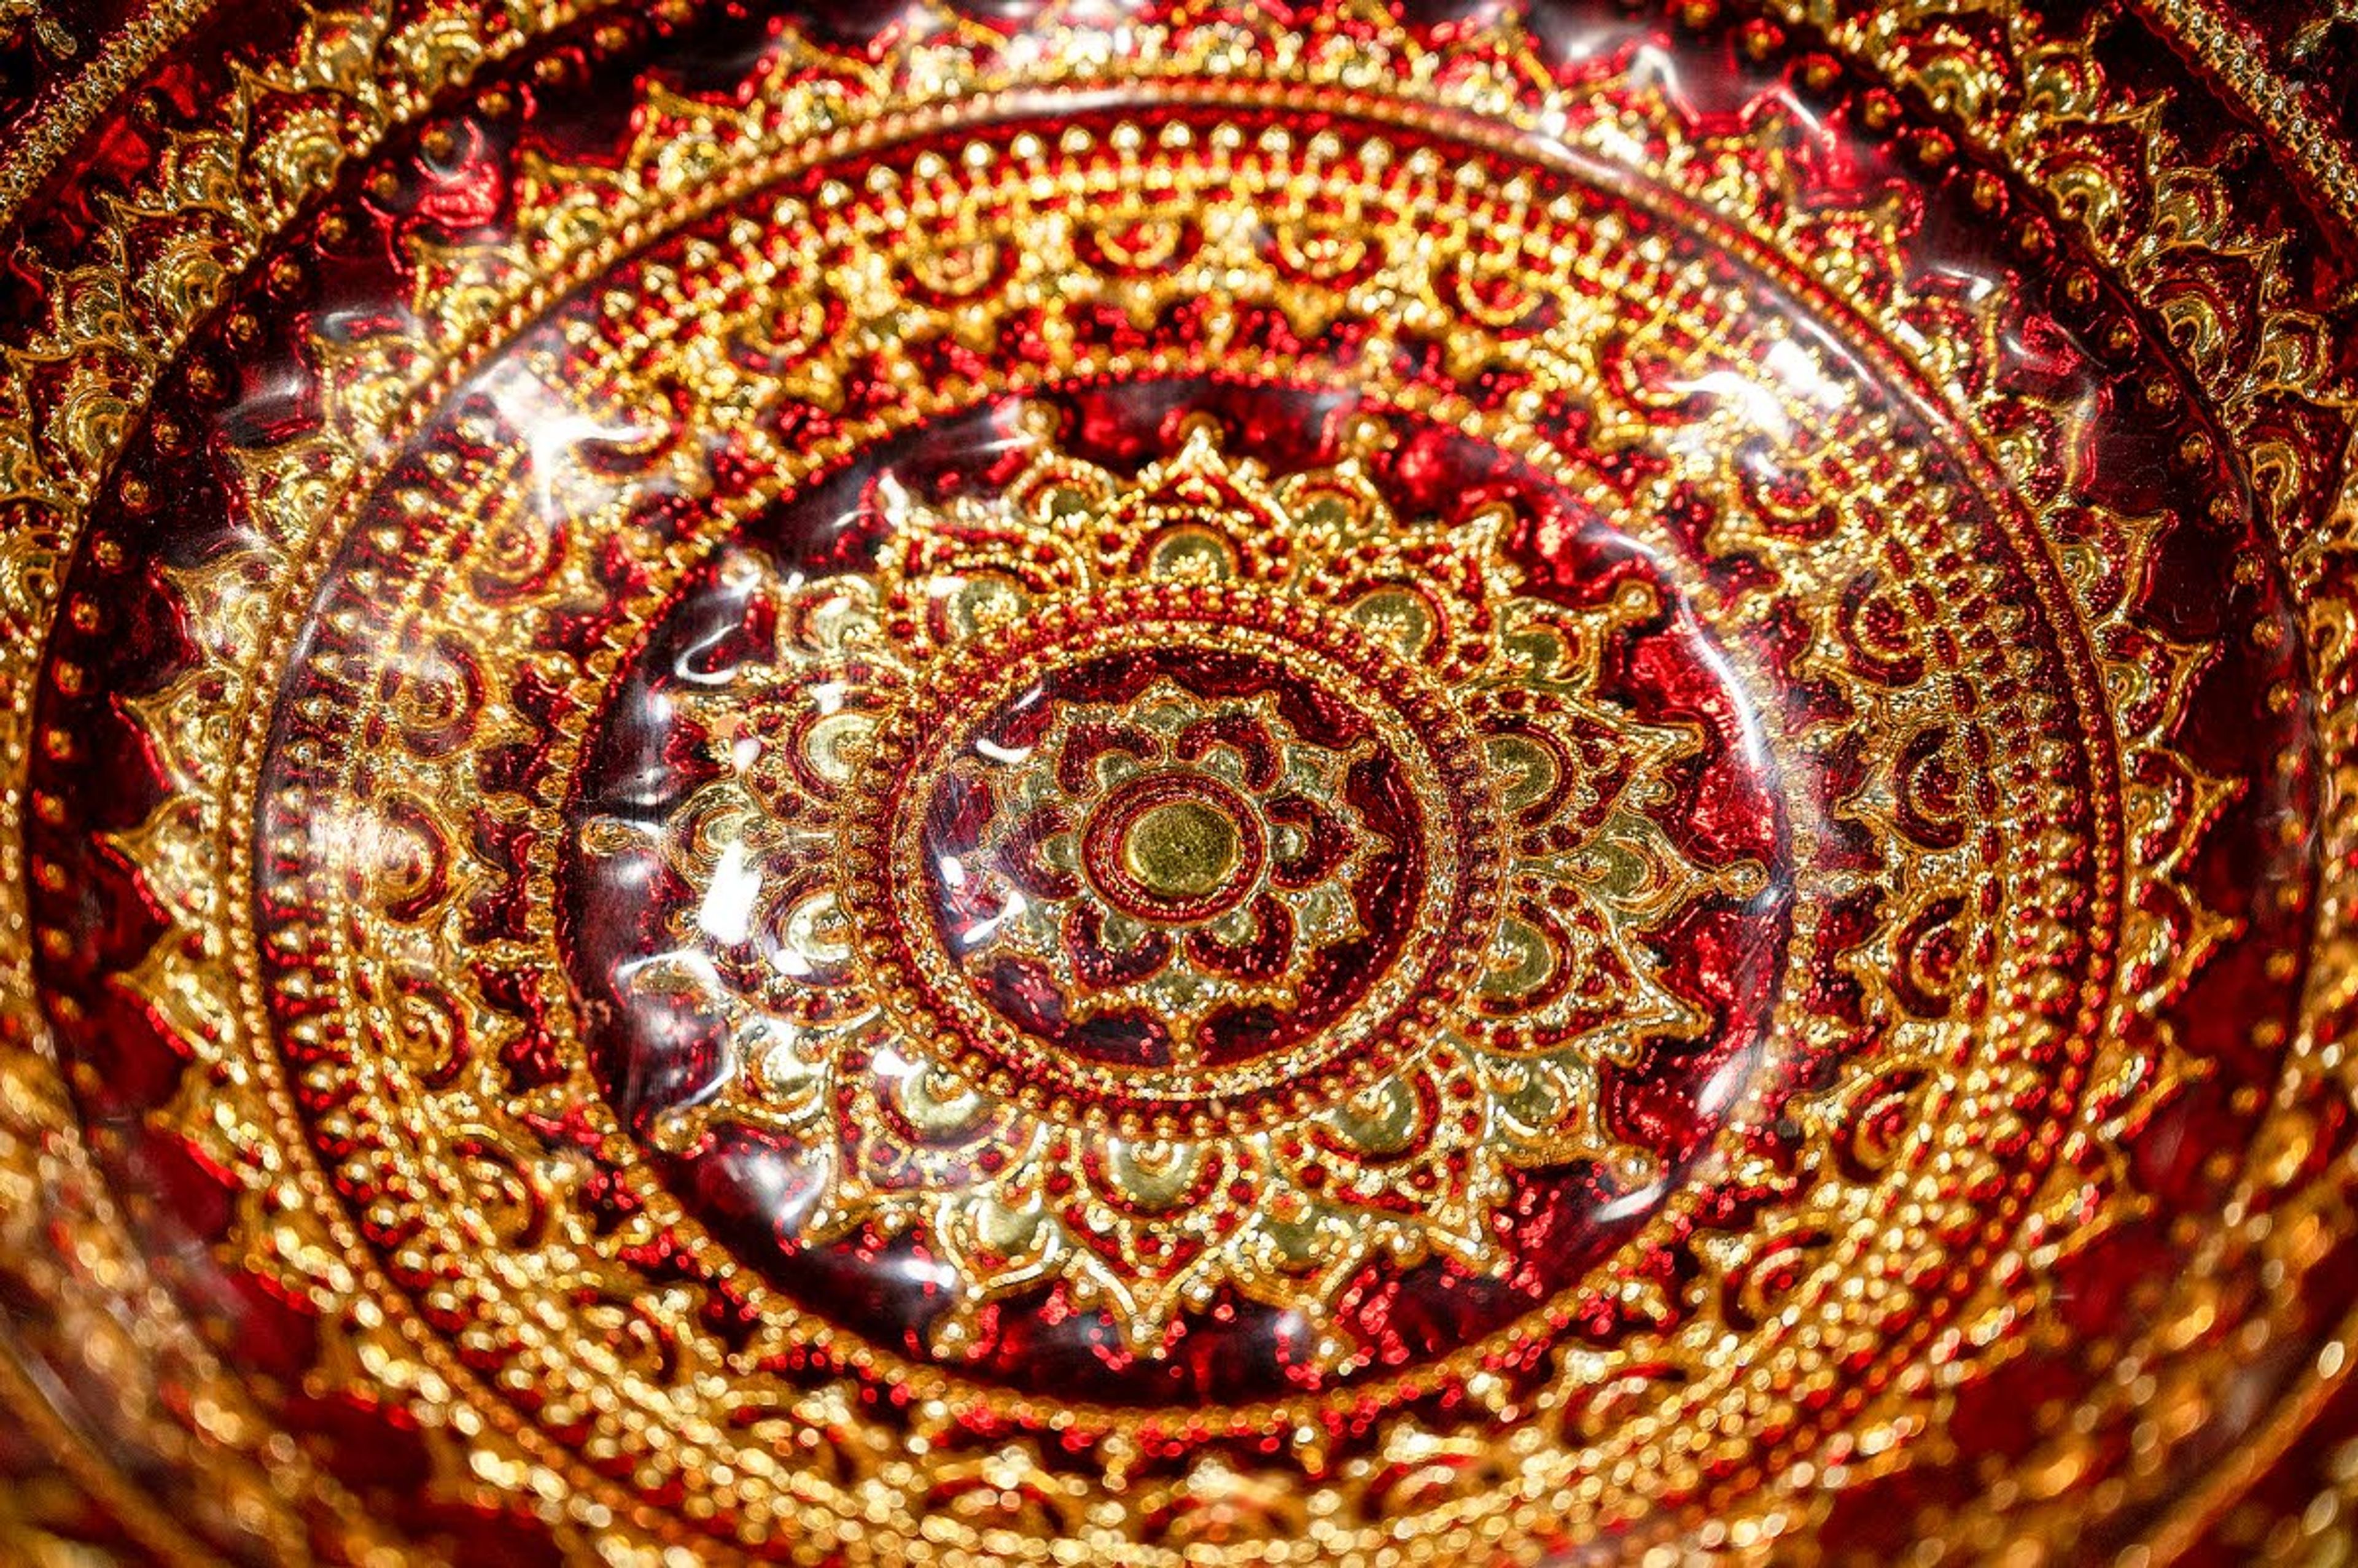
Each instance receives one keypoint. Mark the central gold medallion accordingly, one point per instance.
(1182, 850)
(1251, 858)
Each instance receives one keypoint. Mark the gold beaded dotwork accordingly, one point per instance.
(1179, 875)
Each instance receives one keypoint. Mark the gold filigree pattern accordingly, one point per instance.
(1804, 839)
(1167, 861)
(278, 477)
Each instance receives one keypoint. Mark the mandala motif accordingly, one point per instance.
(1264, 784)
(1213, 878)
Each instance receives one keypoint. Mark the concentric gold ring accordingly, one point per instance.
(1447, 908)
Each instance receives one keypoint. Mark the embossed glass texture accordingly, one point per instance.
(1494, 787)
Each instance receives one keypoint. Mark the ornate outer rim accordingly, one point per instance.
(2288, 345)
(2017, 140)
(41, 524)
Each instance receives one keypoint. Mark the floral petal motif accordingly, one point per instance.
(1307, 783)
(1167, 874)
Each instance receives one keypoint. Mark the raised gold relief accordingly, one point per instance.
(1224, 789)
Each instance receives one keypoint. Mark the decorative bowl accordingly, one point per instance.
(1172, 784)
